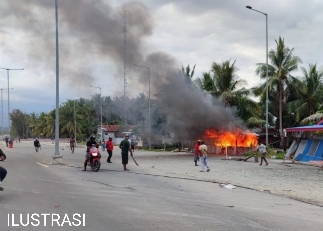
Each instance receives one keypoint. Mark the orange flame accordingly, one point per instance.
(226, 138)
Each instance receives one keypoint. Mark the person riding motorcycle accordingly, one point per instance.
(89, 145)
(36, 144)
(3, 171)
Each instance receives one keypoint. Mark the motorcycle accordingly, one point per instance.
(95, 157)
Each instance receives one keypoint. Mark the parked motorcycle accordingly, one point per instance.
(95, 157)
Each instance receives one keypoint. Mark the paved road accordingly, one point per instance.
(137, 200)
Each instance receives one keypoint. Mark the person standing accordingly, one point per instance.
(132, 145)
(72, 144)
(203, 157)
(7, 141)
(109, 145)
(103, 145)
(196, 151)
(125, 148)
(263, 151)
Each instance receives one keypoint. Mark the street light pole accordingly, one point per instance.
(10, 69)
(2, 109)
(149, 116)
(267, 99)
(75, 124)
(100, 110)
(56, 154)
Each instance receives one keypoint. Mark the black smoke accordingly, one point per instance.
(92, 31)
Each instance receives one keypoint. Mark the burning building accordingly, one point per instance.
(229, 143)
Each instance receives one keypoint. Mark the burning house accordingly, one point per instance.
(230, 143)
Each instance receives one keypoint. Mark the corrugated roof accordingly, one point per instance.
(311, 128)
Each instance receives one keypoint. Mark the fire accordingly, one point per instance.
(226, 138)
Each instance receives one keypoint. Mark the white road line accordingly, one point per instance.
(42, 165)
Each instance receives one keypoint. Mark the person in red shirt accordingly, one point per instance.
(109, 146)
(196, 151)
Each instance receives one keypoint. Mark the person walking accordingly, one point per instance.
(203, 157)
(196, 151)
(72, 144)
(109, 145)
(125, 148)
(263, 151)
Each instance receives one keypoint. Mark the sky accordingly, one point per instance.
(91, 43)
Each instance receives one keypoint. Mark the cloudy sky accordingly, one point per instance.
(192, 32)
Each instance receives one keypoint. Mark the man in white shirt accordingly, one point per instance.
(203, 157)
(263, 151)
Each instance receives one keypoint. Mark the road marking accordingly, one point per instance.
(42, 165)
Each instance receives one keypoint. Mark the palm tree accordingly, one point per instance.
(308, 93)
(206, 83)
(283, 62)
(67, 119)
(188, 72)
(226, 82)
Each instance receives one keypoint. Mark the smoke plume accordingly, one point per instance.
(91, 31)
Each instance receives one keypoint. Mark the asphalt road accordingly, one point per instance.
(112, 199)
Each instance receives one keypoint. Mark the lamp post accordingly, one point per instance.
(2, 109)
(75, 124)
(56, 154)
(100, 110)
(149, 127)
(250, 8)
(10, 69)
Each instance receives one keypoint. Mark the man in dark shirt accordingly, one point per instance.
(3, 171)
(89, 145)
(125, 148)
(36, 144)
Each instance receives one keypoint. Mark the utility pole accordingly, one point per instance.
(9, 69)
(75, 124)
(2, 109)
(56, 154)
(124, 64)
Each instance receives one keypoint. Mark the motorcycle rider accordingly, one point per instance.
(36, 144)
(3, 171)
(89, 145)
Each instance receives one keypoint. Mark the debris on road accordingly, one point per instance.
(227, 186)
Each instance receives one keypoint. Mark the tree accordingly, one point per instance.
(188, 72)
(283, 62)
(206, 83)
(308, 93)
(226, 82)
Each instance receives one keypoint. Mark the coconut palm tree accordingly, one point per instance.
(283, 62)
(188, 72)
(226, 82)
(308, 93)
(206, 83)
